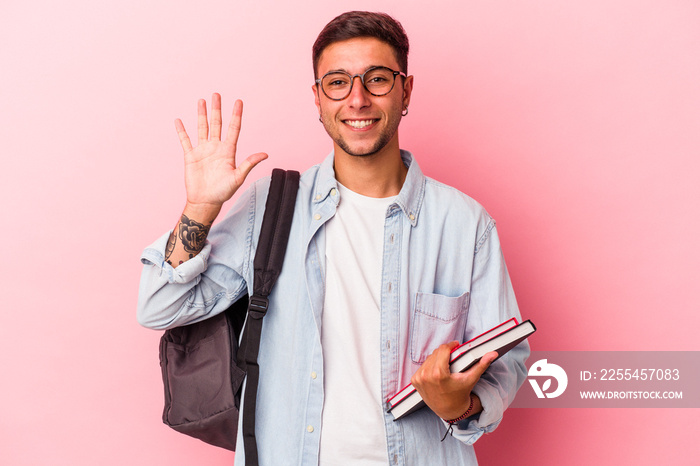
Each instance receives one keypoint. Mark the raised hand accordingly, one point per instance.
(211, 178)
(211, 173)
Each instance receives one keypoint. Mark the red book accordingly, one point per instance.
(502, 338)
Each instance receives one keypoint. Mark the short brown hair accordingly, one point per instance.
(355, 24)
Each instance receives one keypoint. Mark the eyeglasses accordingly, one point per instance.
(378, 81)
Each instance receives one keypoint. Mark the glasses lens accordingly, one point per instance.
(336, 85)
(379, 81)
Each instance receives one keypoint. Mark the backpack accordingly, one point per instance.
(202, 366)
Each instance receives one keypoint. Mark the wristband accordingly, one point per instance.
(466, 413)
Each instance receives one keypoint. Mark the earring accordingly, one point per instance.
(319, 119)
(405, 111)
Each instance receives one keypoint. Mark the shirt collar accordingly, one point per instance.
(409, 199)
(325, 180)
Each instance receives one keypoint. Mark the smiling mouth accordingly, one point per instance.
(359, 124)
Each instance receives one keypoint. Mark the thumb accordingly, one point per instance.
(247, 165)
(475, 372)
(485, 362)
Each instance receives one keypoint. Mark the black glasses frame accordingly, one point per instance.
(319, 82)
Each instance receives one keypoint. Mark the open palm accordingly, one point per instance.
(211, 173)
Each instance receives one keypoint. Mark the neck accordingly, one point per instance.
(378, 175)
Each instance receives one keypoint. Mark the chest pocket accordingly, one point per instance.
(437, 319)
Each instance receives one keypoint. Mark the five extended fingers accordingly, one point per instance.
(212, 133)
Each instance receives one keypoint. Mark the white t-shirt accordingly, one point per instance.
(353, 420)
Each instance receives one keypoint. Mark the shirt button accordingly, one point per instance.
(313, 375)
(333, 192)
(317, 216)
(412, 217)
(318, 196)
(309, 429)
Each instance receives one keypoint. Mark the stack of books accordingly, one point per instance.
(501, 339)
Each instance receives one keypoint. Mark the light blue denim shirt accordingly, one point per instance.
(443, 279)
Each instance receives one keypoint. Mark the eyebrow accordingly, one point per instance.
(343, 70)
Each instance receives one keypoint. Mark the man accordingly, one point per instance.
(385, 271)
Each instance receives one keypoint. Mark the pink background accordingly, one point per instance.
(576, 124)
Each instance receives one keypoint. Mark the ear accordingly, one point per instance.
(315, 90)
(407, 90)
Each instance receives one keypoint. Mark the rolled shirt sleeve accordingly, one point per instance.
(206, 284)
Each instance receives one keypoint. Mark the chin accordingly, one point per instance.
(360, 151)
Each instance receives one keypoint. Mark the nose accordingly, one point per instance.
(359, 96)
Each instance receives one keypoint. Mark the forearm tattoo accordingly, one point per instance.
(192, 234)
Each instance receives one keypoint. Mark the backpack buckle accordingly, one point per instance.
(257, 307)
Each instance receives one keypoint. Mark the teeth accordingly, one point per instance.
(359, 124)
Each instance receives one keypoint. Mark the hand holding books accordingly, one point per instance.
(447, 393)
(500, 339)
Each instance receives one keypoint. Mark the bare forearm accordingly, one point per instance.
(189, 235)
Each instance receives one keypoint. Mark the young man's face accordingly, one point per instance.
(362, 124)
